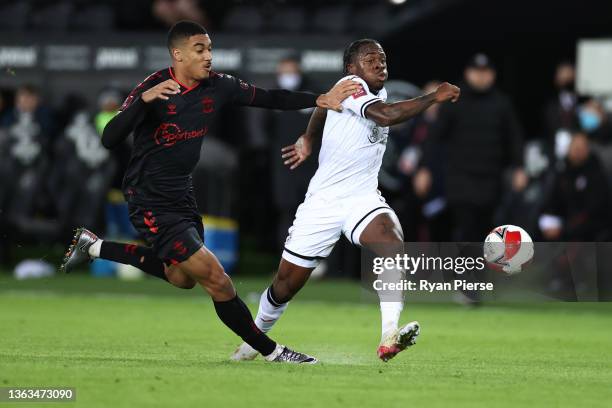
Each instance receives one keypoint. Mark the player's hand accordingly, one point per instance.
(333, 99)
(447, 92)
(295, 154)
(163, 91)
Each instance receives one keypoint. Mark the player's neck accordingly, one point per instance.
(184, 79)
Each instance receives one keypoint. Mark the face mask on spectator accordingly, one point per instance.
(289, 81)
(589, 120)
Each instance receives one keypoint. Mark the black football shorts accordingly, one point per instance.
(174, 234)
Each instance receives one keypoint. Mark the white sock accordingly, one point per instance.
(390, 314)
(94, 249)
(269, 312)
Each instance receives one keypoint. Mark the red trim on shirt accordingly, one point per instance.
(187, 89)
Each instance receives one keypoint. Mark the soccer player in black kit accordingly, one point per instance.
(170, 112)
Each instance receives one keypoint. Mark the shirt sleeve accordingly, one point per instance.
(148, 83)
(240, 92)
(360, 100)
(130, 114)
(245, 94)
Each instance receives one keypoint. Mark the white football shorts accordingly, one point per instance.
(320, 220)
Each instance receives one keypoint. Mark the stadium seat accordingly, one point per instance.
(367, 20)
(246, 19)
(288, 20)
(333, 19)
(94, 18)
(14, 17)
(55, 17)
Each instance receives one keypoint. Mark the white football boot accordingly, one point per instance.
(244, 352)
(398, 340)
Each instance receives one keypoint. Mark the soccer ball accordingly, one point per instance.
(508, 249)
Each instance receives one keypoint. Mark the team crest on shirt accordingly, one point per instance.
(171, 109)
(378, 135)
(243, 84)
(208, 104)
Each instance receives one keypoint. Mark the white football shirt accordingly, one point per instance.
(352, 147)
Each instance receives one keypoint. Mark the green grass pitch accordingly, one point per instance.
(137, 344)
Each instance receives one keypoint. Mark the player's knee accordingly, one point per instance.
(395, 237)
(389, 235)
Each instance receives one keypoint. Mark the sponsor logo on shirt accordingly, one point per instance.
(168, 134)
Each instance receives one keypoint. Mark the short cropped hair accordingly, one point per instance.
(182, 30)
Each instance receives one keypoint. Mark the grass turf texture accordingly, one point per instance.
(127, 344)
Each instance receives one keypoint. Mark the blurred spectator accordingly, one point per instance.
(289, 186)
(484, 138)
(26, 131)
(577, 207)
(118, 224)
(418, 214)
(172, 11)
(595, 122)
(399, 163)
(4, 102)
(524, 207)
(428, 187)
(29, 124)
(560, 113)
(109, 102)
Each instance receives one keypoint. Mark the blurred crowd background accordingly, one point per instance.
(529, 142)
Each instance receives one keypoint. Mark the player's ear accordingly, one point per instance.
(177, 54)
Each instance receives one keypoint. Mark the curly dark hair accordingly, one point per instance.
(352, 50)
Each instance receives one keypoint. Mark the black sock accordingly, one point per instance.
(237, 316)
(141, 257)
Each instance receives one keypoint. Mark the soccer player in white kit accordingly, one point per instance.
(343, 196)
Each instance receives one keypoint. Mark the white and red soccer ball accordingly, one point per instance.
(508, 249)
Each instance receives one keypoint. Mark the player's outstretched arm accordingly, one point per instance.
(388, 114)
(292, 100)
(295, 154)
(119, 127)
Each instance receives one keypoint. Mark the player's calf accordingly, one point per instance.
(204, 268)
(288, 281)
